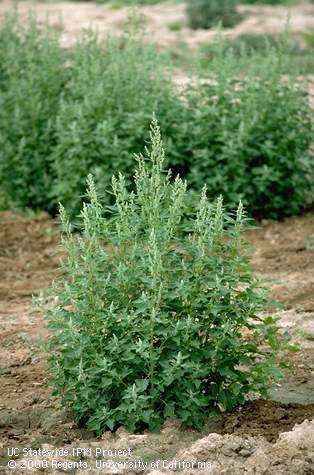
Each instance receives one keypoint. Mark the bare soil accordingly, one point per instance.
(70, 18)
(31, 417)
(158, 20)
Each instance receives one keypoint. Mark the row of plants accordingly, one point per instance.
(299, 50)
(64, 114)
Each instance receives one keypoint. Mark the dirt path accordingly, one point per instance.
(31, 417)
(159, 19)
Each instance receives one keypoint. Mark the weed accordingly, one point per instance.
(114, 87)
(248, 48)
(32, 76)
(206, 14)
(157, 316)
(176, 25)
(65, 114)
(253, 133)
(309, 38)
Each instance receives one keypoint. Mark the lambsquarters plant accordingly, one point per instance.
(157, 312)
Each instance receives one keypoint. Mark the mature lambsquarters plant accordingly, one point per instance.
(253, 133)
(158, 313)
(32, 76)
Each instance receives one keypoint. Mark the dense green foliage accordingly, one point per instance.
(257, 131)
(270, 2)
(248, 44)
(299, 53)
(65, 114)
(209, 13)
(309, 38)
(157, 316)
(32, 75)
(105, 111)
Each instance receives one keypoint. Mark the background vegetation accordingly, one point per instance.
(209, 13)
(65, 114)
(252, 128)
(103, 115)
(32, 78)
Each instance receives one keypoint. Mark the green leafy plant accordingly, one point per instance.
(308, 37)
(32, 76)
(243, 45)
(252, 46)
(209, 13)
(65, 114)
(157, 316)
(253, 134)
(270, 2)
(176, 25)
(105, 112)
